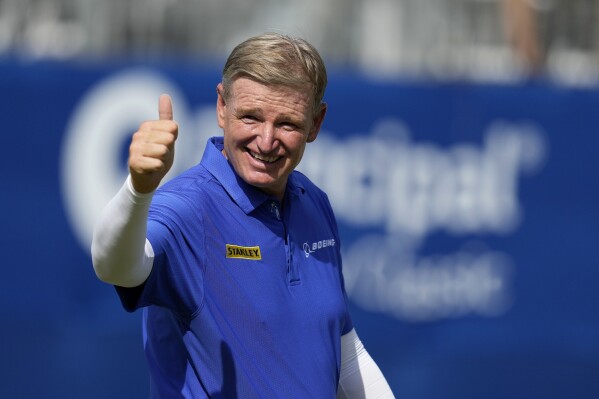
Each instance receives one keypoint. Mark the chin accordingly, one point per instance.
(267, 185)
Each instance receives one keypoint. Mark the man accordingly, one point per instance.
(236, 262)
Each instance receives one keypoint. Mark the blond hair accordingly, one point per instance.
(277, 59)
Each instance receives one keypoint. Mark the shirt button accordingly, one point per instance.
(274, 209)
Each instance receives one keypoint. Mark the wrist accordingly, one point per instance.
(138, 192)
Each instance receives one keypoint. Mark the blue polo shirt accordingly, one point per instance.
(246, 296)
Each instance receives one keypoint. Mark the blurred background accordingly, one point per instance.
(458, 153)
(482, 40)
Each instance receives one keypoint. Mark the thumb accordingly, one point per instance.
(165, 107)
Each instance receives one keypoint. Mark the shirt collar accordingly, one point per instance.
(246, 196)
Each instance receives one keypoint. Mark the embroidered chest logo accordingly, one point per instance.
(315, 246)
(235, 251)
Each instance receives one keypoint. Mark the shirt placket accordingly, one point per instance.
(292, 270)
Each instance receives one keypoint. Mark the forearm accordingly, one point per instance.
(120, 252)
(360, 377)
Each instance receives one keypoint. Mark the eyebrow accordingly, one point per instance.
(240, 111)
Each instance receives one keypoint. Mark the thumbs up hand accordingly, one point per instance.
(152, 149)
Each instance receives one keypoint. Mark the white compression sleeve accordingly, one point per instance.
(360, 377)
(121, 254)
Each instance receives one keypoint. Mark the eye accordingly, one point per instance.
(289, 126)
(248, 118)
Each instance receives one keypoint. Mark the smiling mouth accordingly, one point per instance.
(263, 158)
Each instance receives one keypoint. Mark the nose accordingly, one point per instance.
(267, 141)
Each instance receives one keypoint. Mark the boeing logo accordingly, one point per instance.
(308, 249)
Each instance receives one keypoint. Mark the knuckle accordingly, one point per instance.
(135, 150)
(171, 127)
(137, 137)
(146, 125)
(164, 151)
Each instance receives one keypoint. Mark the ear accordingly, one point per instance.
(317, 123)
(221, 106)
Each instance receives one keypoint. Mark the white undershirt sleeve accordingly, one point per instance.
(360, 377)
(121, 254)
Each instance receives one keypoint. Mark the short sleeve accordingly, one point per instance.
(176, 281)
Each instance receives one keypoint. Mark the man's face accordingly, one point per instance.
(266, 129)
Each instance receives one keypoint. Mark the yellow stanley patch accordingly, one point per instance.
(235, 251)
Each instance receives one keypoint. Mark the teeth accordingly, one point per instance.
(264, 158)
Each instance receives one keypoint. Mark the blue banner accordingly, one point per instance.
(469, 218)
